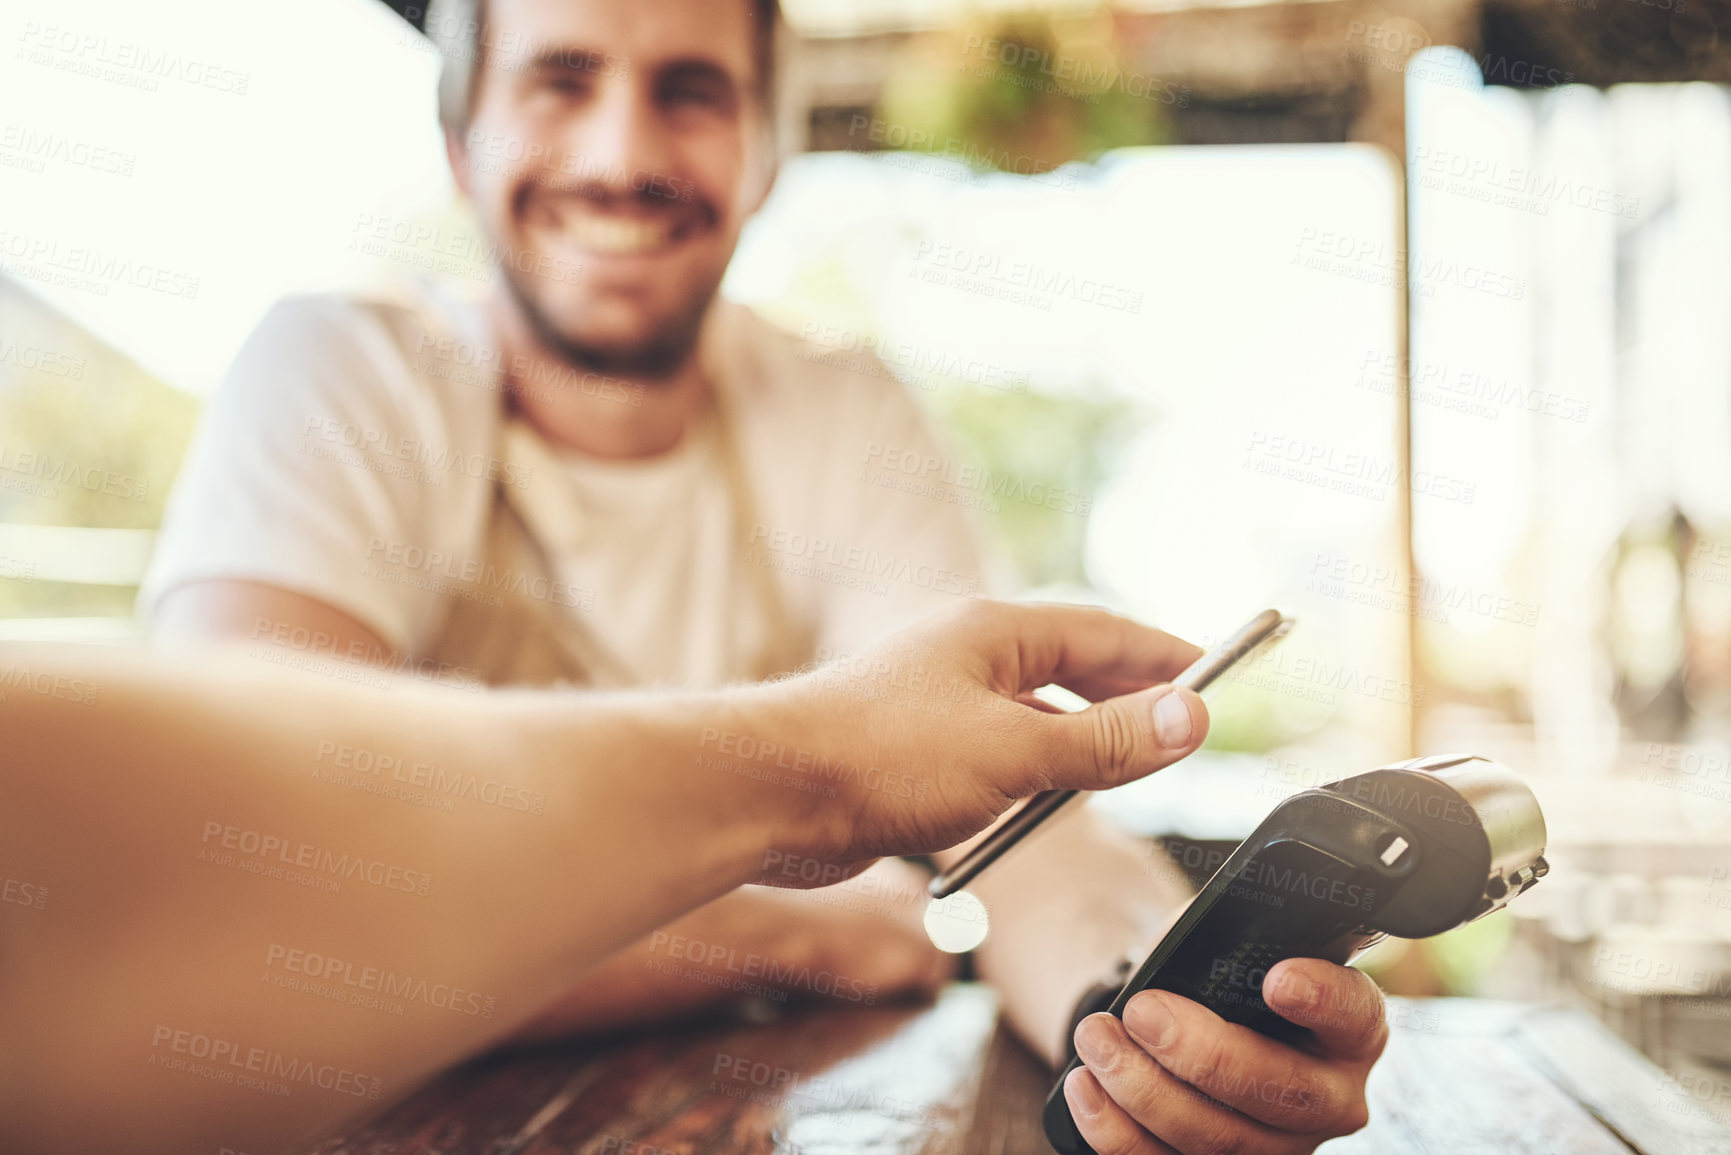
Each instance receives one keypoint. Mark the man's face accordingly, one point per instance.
(614, 151)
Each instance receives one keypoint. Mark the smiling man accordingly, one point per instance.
(600, 474)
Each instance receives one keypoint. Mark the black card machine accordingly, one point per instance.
(1411, 850)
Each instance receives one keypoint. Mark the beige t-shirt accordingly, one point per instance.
(359, 449)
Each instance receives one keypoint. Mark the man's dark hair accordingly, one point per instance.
(458, 28)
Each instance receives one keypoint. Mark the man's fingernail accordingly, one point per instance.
(1148, 1020)
(1097, 1043)
(1084, 1093)
(1172, 720)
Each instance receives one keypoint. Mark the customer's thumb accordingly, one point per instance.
(1122, 739)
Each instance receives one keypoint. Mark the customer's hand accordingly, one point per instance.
(864, 939)
(914, 746)
(1175, 1077)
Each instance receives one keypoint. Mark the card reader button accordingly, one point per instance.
(1394, 851)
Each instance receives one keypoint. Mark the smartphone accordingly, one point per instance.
(1260, 631)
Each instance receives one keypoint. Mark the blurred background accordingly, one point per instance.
(1411, 318)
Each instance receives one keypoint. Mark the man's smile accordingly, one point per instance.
(602, 229)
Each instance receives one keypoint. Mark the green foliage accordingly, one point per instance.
(1463, 956)
(92, 439)
(1044, 458)
(117, 421)
(1024, 92)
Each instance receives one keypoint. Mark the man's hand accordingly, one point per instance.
(938, 736)
(869, 929)
(1175, 1077)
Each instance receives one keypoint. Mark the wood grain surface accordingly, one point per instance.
(1459, 1076)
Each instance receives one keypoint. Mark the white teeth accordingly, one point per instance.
(616, 235)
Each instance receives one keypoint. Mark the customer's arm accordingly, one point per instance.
(237, 946)
(877, 936)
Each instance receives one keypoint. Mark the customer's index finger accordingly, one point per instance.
(1092, 652)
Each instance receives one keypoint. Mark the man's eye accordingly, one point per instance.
(689, 94)
(696, 92)
(568, 84)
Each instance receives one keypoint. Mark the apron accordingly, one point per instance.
(530, 641)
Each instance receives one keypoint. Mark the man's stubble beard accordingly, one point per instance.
(655, 359)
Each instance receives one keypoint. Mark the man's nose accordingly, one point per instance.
(621, 142)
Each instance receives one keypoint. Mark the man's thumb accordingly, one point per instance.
(1122, 739)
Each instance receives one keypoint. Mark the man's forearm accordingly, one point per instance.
(213, 879)
(863, 939)
(257, 877)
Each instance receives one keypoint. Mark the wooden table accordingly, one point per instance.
(1459, 1076)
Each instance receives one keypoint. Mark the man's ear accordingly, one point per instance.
(457, 155)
